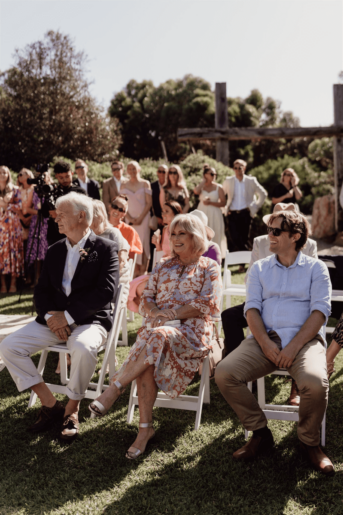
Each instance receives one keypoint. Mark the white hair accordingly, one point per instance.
(80, 202)
(194, 226)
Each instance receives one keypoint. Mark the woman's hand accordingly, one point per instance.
(15, 210)
(137, 221)
(156, 240)
(330, 368)
(206, 201)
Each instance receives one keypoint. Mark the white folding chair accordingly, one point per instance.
(109, 358)
(336, 296)
(124, 341)
(157, 256)
(183, 402)
(280, 411)
(229, 289)
(131, 315)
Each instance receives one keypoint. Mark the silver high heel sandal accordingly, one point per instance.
(133, 455)
(98, 409)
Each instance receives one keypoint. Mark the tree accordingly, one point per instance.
(46, 108)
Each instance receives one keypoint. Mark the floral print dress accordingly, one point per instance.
(35, 235)
(177, 352)
(11, 239)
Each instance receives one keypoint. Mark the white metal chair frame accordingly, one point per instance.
(131, 315)
(109, 358)
(124, 342)
(183, 402)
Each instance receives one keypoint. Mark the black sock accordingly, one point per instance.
(264, 432)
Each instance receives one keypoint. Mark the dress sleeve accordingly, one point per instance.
(148, 191)
(208, 300)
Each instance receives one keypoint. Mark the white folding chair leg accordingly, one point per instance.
(246, 432)
(124, 336)
(131, 316)
(205, 379)
(40, 370)
(64, 367)
(131, 408)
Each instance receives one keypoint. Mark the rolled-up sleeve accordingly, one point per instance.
(254, 290)
(208, 302)
(321, 290)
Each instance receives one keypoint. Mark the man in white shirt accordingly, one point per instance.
(73, 301)
(242, 205)
(90, 186)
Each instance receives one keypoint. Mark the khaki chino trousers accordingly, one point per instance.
(248, 363)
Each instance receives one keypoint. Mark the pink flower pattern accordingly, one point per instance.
(11, 238)
(177, 352)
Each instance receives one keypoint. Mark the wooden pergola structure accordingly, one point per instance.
(222, 134)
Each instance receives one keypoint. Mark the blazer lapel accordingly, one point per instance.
(61, 260)
(88, 245)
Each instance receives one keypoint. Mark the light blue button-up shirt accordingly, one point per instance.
(286, 297)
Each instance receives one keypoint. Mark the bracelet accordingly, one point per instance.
(174, 313)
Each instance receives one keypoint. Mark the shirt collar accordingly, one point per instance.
(116, 181)
(242, 181)
(80, 244)
(86, 181)
(300, 260)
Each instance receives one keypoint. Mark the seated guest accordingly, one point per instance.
(288, 303)
(170, 210)
(335, 347)
(233, 318)
(187, 288)
(90, 186)
(73, 300)
(287, 191)
(118, 211)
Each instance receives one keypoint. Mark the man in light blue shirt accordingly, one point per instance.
(287, 307)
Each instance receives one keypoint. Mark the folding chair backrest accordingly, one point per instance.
(235, 258)
(158, 255)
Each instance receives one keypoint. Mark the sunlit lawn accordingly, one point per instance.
(183, 472)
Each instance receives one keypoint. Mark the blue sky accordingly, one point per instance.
(290, 50)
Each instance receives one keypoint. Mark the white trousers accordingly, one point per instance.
(83, 343)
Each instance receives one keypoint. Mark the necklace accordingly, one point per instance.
(185, 266)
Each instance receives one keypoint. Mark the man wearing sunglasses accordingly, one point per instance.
(111, 187)
(89, 185)
(287, 307)
(242, 204)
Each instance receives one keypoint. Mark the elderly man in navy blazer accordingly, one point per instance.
(73, 301)
(90, 186)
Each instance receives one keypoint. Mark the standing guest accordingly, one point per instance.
(90, 186)
(212, 199)
(287, 307)
(11, 241)
(242, 204)
(64, 176)
(156, 190)
(233, 318)
(287, 191)
(162, 243)
(175, 188)
(73, 300)
(187, 288)
(118, 212)
(138, 191)
(26, 194)
(111, 187)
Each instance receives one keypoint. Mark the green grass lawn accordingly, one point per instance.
(184, 472)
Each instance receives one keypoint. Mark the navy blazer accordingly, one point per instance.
(93, 188)
(93, 287)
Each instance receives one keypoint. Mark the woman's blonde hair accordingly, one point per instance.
(9, 184)
(99, 211)
(294, 173)
(135, 164)
(180, 183)
(193, 226)
(28, 173)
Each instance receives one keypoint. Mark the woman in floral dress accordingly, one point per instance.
(180, 303)
(11, 241)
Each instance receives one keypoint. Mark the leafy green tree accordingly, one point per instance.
(46, 108)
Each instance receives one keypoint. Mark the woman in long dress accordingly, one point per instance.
(212, 199)
(140, 201)
(181, 303)
(175, 188)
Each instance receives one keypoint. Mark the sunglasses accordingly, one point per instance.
(161, 171)
(172, 173)
(213, 174)
(120, 209)
(288, 175)
(238, 167)
(115, 169)
(77, 167)
(276, 231)
(21, 174)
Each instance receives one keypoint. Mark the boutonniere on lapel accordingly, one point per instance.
(91, 257)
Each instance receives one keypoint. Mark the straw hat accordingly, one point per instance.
(203, 218)
(281, 206)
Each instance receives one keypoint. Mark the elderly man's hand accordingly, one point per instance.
(286, 356)
(56, 321)
(271, 351)
(63, 333)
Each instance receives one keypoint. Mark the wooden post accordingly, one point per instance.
(338, 155)
(221, 122)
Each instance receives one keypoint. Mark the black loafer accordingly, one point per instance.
(70, 429)
(47, 417)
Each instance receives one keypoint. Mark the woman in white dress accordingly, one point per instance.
(139, 193)
(212, 199)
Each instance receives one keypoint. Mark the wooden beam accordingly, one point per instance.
(338, 152)
(252, 133)
(221, 122)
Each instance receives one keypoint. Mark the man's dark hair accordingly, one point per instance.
(62, 167)
(293, 223)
